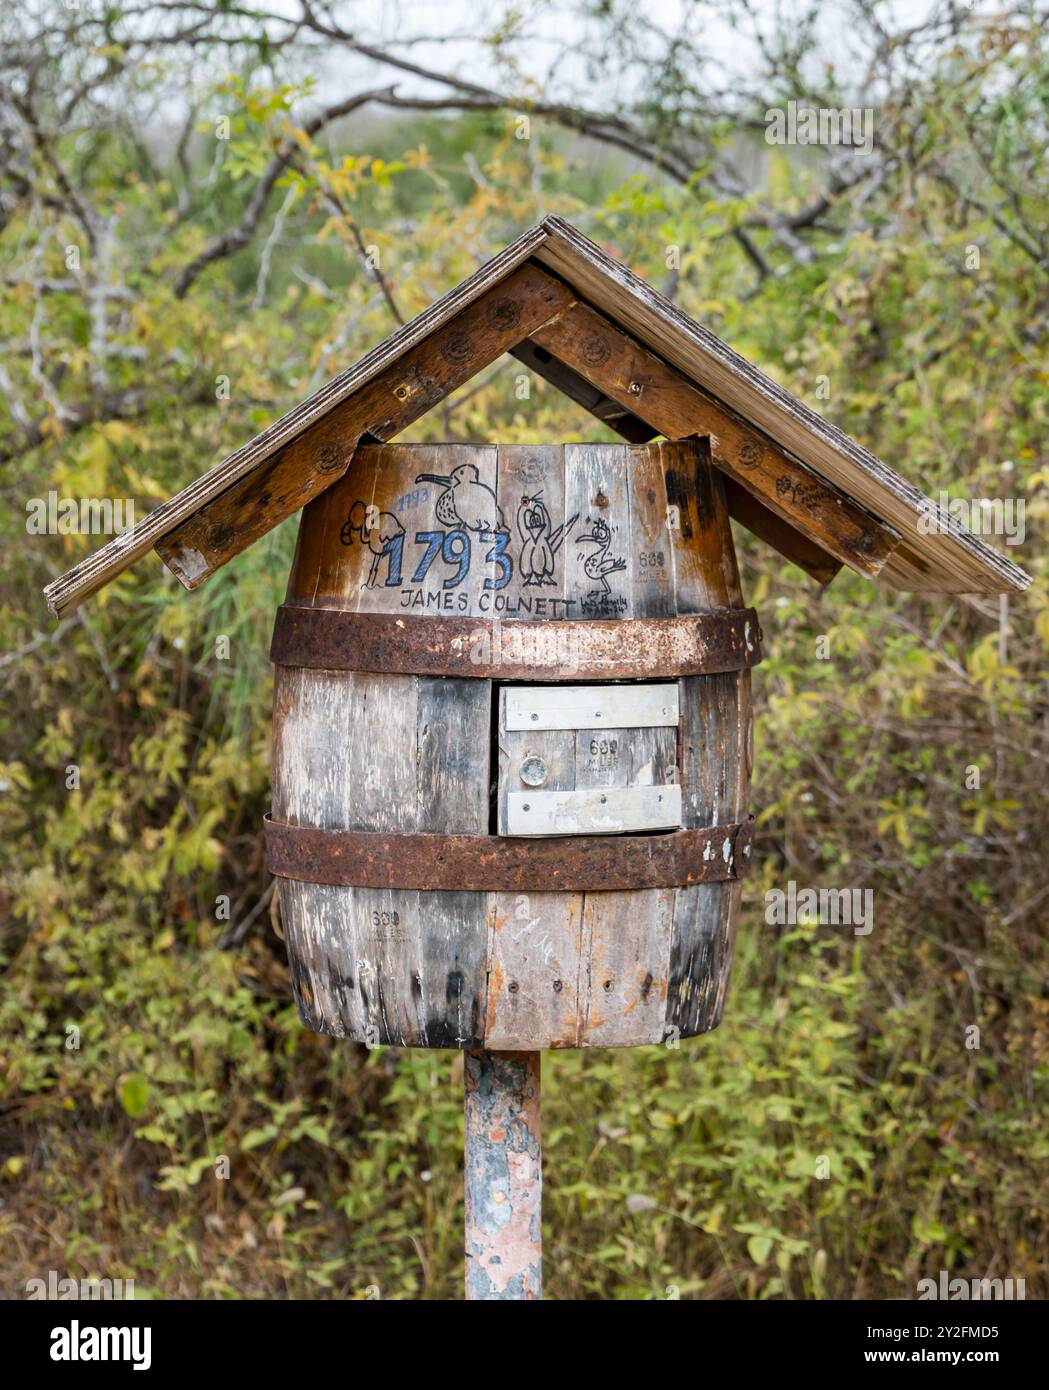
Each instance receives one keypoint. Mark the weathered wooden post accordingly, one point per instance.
(511, 716)
(503, 1173)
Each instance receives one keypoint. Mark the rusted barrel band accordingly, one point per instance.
(490, 864)
(329, 639)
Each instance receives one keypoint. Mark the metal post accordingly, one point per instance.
(504, 1176)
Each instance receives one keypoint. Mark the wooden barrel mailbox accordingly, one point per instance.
(512, 718)
(511, 755)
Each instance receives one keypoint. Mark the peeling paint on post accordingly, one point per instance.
(504, 1180)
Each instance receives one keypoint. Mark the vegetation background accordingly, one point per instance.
(913, 279)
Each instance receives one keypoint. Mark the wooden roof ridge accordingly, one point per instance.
(953, 559)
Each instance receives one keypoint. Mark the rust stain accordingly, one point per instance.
(495, 994)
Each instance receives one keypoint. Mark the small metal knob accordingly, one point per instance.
(533, 771)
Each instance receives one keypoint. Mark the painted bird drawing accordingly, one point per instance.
(377, 530)
(599, 565)
(539, 542)
(465, 501)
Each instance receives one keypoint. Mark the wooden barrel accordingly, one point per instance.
(511, 757)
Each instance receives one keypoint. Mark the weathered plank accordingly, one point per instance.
(705, 571)
(770, 527)
(626, 757)
(532, 497)
(578, 389)
(383, 407)
(629, 373)
(652, 572)
(715, 776)
(598, 571)
(453, 777)
(533, 971)
(626, 942)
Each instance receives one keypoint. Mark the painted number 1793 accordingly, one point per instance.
(454, 549)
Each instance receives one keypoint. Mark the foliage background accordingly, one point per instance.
(686, 1172)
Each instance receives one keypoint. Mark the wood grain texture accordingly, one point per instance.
(612, 360)
(626, 942)
(716, 757)
(578, 389)
(705, 571)
(534, 967)
(770, 527)
(452, 784)
(383, 753)
(743, 506)
(407, 389)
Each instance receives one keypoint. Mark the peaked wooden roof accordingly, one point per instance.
(631, 357)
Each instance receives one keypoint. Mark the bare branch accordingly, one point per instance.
(240, 235)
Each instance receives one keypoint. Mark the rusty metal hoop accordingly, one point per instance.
(495, 864)
(331, 639)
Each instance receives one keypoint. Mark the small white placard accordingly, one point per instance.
(591, 706)
(594, 811)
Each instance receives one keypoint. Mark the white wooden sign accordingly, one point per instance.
(591, 706)
(593, 811)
